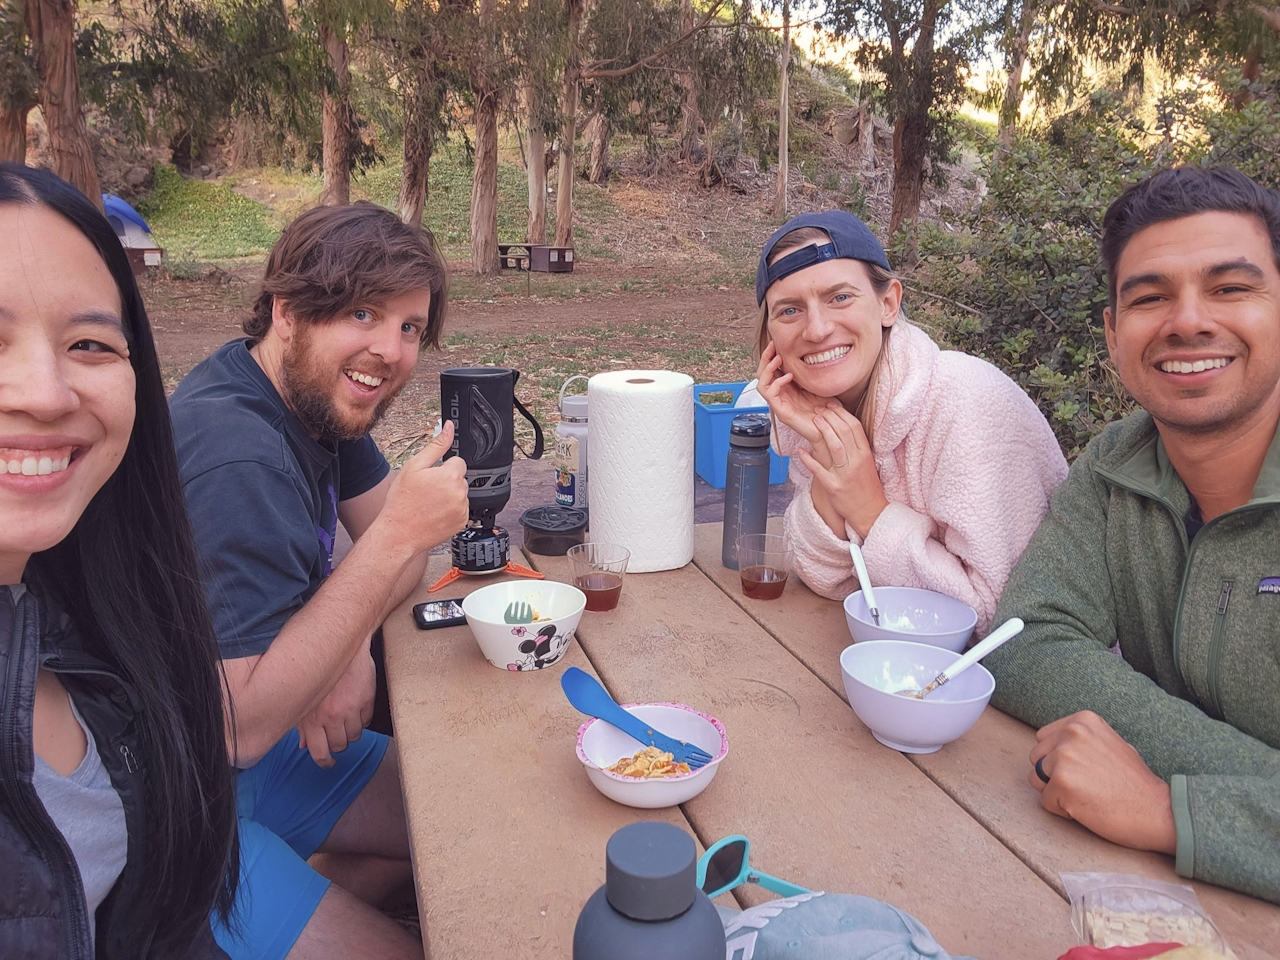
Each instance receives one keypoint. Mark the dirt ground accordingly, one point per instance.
(623, 317)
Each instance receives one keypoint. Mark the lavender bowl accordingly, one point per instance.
(909, 613)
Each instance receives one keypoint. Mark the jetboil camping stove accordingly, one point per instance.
(481, 402)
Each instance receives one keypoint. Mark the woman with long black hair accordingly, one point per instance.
(117, 808)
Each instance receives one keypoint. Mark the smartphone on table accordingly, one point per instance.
(438, 613)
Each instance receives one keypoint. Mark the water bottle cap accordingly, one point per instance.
(750, 430)
(651, 871)
(574, 409)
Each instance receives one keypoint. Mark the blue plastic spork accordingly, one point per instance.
(588, 696)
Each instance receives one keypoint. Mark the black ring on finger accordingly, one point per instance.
(1040, 770)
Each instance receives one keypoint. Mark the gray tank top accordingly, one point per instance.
(88, 813)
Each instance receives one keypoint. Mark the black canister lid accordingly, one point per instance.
(750, 430)
(651, 871)
(553, 519)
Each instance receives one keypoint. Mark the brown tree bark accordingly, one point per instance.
(867, 133)
(910, 146)
(569, 125)
(599, 132)
(690, 116)
(911, 132)
(784, 115)
(1015, 65)
(13, 133)
(536, 167)
(336, 121)
(484, 175)
(51, 25)
(419, 145)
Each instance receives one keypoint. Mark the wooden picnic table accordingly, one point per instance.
(508, 834)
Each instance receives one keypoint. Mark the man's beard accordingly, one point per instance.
(308, 391)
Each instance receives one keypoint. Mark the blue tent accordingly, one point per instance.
(119, 212)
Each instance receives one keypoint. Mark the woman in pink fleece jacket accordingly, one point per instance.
(934, 461)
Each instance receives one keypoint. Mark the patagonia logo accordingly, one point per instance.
(1269, 585)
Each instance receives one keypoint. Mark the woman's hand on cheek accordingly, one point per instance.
(849, 480)
(788, 402)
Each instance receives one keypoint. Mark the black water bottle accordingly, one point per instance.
(650, 907)
(746, 488)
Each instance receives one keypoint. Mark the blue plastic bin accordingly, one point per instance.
(711, 422)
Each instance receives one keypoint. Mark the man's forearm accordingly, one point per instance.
(405, 584)
(316, 645)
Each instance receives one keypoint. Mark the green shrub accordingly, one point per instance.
(198, 220)
(1022, 284)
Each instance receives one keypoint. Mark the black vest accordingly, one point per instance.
(42, 907)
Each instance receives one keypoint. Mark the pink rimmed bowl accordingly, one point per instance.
(601, 745)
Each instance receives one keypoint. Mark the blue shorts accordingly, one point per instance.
(287, 806)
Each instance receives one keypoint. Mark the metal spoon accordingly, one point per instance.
(1006, 631)
(864, 581)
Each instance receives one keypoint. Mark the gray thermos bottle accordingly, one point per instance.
(746, 489)
(650, 907)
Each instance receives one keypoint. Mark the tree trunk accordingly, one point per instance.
(690, 118)
(1249, 74)
(536, 167)
(51, 24)
(484, 175)
(910, 146)
(569, 127)
(484, 185)
(912, 130)
(13, 133)
(419, 145)
(1015, 64)
(784, 114)
(599, 132)
(744, 26)
(336, 121)
(867, 131)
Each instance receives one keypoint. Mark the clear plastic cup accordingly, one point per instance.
(763, 564)
(598, 569)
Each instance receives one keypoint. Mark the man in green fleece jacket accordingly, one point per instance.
(1163, 546)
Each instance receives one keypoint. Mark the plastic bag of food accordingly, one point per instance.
(1119, 910)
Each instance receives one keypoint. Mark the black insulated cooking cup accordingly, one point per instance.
(481, 402)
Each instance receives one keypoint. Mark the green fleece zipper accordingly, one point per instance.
(1215, 647)
(1224, 597)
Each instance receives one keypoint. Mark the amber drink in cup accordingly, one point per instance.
(597, 571)
(763, 562)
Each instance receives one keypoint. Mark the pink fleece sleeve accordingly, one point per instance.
(986, 478)
(820, 558)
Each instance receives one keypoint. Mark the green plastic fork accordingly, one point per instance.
(518, 612)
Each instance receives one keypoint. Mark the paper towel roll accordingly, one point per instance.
(640, 456)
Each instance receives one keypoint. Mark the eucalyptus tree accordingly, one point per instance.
(923, 50)
(50, 27)
(618, 39)
(18, 92)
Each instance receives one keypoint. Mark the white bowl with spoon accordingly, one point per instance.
(877, 673)
(905, 613)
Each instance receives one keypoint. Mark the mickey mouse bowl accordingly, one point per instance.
(557, 608)
(910, 613)
(601, 745)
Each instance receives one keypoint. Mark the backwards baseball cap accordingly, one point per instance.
(851, 239)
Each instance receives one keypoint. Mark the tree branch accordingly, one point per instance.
(594, 71)
(1270, 17)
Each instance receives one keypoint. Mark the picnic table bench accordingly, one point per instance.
(514, 256)
(508, 834)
